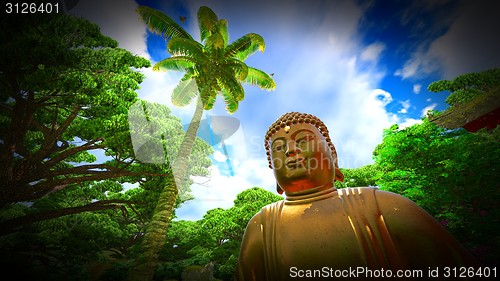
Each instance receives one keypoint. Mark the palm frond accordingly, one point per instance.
(231, 103)
(235, 87)
(177, 63)
(161, 24)
(212, 66)
(212, 97)
(243, 47)
(232, 91)
(260, 78)
(214, 45)
(207, 22)
(222, 27)
(185, 91)
(239, 68)
(186, 47)
(208, 93)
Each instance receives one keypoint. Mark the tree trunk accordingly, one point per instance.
(156, 232)
(154, 238)
(180, 164)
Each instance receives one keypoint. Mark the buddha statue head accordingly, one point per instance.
(301, 154)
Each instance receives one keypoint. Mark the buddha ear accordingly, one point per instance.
(338, 175)
(279, 189)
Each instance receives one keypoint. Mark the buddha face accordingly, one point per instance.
(301, 158)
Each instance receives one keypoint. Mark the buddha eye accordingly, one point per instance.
(279, 147)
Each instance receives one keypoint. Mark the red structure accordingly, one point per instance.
(489, 121)
(478, 113)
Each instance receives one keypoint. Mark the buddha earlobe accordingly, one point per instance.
(279, 189)
(338, 175)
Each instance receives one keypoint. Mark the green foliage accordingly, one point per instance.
(155, 128)
(358, 177)
(56, 249)
(216, 237)
(465, 88)
(117, 272)
(450, 173)
(65, 93)
(65, 90)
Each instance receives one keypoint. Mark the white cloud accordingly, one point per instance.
(417, 88)
(219, 156)
(119, 22)
(346, 99)
(405, 106)
(372, 52)
(358, 125)
(409, 122)
(419, 65)
(383, 96)
(427, 108)
(220, 191)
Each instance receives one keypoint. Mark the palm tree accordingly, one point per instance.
(212, 67)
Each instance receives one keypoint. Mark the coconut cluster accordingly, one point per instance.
(291, 118)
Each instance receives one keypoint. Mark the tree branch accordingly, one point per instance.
(88, 169)
(13, 225)
(43, 188)
(29, 163)
(91, 145)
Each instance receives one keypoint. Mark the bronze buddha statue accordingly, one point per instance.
(319, 230)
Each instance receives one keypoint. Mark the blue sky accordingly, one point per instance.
(360, 66)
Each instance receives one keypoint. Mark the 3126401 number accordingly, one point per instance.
(469, 272)
(31, 8)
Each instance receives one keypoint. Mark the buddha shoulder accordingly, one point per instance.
(417, 232)
(266, 213)
(394, 206)
(404, 216)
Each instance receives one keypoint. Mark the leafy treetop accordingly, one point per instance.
(468, 86)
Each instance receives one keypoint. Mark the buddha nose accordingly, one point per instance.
(291, 148)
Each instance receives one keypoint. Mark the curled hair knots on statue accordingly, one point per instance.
(291, 118)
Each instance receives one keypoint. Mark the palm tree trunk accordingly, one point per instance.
(180, 165)
(156, 232)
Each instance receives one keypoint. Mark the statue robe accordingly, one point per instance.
(342, 229)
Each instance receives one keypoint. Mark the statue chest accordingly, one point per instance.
(317, 234)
